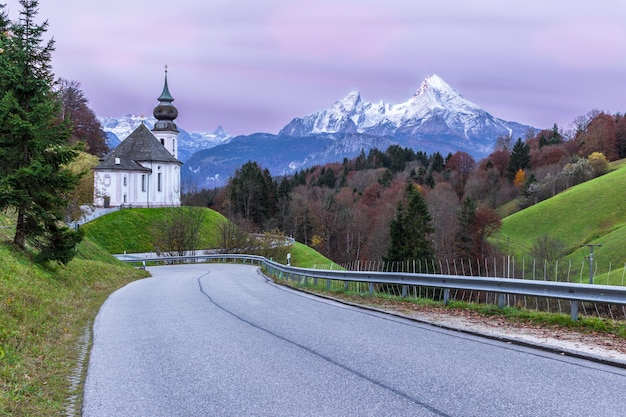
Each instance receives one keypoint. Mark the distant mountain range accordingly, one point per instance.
(118, 129)
(435, 119)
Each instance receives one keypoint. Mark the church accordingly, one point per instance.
(143, 170)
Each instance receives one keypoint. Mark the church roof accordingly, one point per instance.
(140, 146)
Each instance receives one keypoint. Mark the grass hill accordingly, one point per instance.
(593, 212)
(131, 231)
(44, 311)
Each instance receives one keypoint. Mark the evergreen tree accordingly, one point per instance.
(437, 163)
(34, 148)
(399, 240)
(252, 194)
(520, 159)
(411, 230)
(465, 236)
(327, 178)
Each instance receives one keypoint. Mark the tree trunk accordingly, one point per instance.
(20, 235)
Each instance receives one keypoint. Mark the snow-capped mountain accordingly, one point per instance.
(118, 128)
(435, 118)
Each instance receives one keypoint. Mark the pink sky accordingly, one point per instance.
(252, 66)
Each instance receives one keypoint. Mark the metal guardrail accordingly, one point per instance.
(502, 286)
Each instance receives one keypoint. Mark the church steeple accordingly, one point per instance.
(165, 112)
(166, 97)
(165, 129)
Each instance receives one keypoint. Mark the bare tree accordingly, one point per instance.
(233, 239)
(548, 248)
(179, 231)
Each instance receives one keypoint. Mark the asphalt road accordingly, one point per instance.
(219, 340)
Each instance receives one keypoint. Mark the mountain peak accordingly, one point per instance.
(349, 102)
(435, 83)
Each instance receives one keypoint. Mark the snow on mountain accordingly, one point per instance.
(436, 113)
(120, 127)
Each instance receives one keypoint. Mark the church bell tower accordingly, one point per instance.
(165, 129)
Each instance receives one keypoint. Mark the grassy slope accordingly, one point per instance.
(303, 256)
(130, 230)
(43, 313)
(590, 213)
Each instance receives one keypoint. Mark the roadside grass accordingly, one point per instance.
(44, 311)
(303, 256)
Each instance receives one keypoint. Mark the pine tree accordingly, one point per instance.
(411, 230)
(33, 140)
(520, 159)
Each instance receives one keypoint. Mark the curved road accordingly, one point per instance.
(220, 340)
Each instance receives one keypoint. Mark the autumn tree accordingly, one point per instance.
(34, 151)
(599, 136)
(486, 223)
(83, 193)
(461, 165)
(598, 163)
(85, 125)
(620, 136)
(520, 178)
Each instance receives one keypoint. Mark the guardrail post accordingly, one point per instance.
(405, 290)
(346, 284)
(574, 311)
(371, 287)
(446, 296)
(315, 282)
(501, 300)
(328, 283)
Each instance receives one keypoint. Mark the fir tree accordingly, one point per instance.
(411, 230)
(33, 139)
(520, 159)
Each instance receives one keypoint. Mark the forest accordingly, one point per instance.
(400, 204)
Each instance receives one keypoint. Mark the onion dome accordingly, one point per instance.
(165, 112)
